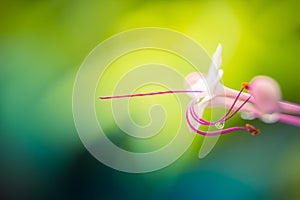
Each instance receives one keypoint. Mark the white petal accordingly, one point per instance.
(215, 65)
(220, 73)
(217, 56)
(196, 81)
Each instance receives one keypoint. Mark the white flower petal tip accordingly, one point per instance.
(217, 56)
(215, 65)
(209, 84)
(220, 73)
(219, 49)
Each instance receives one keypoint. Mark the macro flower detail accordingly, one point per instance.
(263, 100)
(268, 105)
(214, 93)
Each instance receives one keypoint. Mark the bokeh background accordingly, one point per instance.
(42, 45)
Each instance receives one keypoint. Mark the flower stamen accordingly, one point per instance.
(191, 111)
(148, 94)
(211, 133)
(252, 129)
(246, 86)
(225, 117)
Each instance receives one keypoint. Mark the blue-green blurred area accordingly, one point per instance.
(42, 45)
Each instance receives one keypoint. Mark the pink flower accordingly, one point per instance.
(263, 102)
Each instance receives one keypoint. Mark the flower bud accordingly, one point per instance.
(266, 93)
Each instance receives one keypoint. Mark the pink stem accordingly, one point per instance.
(289, 119)
(288, 107)
(148, 94)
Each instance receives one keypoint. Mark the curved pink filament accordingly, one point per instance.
(148, 94)
(224, 118)
(239, 108)
(234, 102)
(211, 133)
(195, 115)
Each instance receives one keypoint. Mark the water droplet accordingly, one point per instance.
(220, 125)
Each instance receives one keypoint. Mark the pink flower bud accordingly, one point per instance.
(266, 93)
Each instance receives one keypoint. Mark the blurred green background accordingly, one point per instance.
(42, 45)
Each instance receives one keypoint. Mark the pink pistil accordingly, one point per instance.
(148, 94)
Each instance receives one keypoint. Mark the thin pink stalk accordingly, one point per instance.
(239, 108)
(288, 107)
(231, 93)
(220, 101)
(148, 94)
(195, 116)
(234, 102)
(289, 119)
